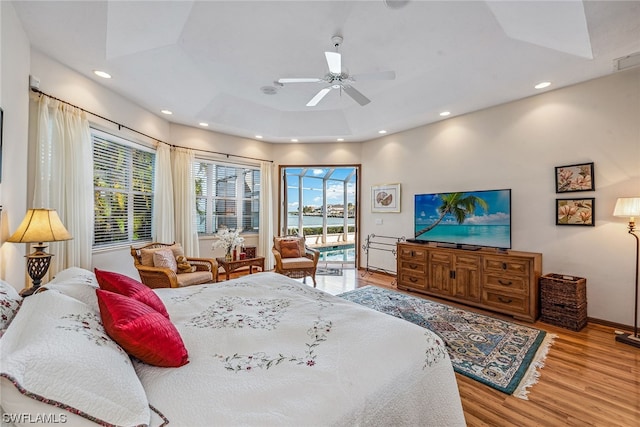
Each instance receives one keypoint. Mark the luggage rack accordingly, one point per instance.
(374, 242)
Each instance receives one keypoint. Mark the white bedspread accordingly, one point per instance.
(266, 350)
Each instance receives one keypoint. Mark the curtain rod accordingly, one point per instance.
(121, 126)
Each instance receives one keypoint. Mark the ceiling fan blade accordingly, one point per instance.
(378, 75)
(356, 95)
(300, 80)
(314, 101)
(334, 61)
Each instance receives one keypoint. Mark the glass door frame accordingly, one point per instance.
(282, 200)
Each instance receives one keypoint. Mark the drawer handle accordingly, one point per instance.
(413, 279)
(505, 300)
(413, 266)
(505, 283)
(504, 265)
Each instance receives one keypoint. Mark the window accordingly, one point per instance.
(123, 190)
(226, 195)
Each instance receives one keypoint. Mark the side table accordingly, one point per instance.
(230, 266)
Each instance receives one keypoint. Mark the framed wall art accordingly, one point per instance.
(575, 211)
(577, 177)
(385, 198)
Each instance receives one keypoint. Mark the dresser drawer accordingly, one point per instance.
(413, 253)
(516, 304)
(412, 281)
(413, 266)
(505, 265)
(440, 257)
(516, 284)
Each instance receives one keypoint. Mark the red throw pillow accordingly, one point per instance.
(125, 285)
(290, 249)
(141, 331)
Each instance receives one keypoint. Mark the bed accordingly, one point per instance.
(263, 350)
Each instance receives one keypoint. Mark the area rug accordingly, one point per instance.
(500, 354)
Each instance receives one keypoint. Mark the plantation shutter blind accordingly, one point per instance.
(251, 200)
(225, 196)
(203, 209)
(123, 183)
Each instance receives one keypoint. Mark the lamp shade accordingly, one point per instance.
(40, 225)
(627, 207)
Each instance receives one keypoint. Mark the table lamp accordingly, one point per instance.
(38, 226)
(630, 207)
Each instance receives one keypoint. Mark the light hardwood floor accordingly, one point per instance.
(588, 379)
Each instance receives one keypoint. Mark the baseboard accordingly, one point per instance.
(614, 325)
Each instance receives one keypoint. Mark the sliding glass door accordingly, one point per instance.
(320, 203)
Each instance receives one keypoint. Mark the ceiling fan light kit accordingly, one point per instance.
(337, 79)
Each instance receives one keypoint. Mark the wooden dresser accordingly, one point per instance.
(503, 282)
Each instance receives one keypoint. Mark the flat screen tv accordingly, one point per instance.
(471, 219)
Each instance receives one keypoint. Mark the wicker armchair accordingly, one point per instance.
(292, 263)
(160, 277)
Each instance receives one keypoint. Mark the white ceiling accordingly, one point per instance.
(207, 60)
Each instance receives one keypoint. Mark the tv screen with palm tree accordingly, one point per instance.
(474, 218)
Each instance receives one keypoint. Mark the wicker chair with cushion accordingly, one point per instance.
(156, 263)
(294, 258)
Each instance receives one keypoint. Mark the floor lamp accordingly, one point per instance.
(630, 207)
(39, 226)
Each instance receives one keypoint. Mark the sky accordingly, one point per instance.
(312, 187)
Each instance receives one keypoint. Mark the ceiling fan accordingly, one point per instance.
(338, 79)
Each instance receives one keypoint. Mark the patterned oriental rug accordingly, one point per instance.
(500, 354)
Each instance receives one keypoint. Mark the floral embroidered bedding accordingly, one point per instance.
(263, 350)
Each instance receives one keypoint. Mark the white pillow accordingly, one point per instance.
(9, 304)
(75, 274)
(77, 283)
(57, 352)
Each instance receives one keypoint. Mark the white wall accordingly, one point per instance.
(14, 86)
(517, 146)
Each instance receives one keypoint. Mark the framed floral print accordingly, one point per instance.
(577, 177)
(575, 211)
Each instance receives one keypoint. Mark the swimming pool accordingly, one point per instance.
(339, 253)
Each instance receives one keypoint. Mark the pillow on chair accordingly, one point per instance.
(290, 249)
(146, 255)
(165, 258)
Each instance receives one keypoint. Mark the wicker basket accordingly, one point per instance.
(563, 301)
(250, 251)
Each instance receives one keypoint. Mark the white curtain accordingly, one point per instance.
(163, 217)
(265, 240)
(184, 200)
(64, 179)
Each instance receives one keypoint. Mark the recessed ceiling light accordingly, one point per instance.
(259, 136)
(382, 131)
(294, 140)
(445, 113)
(203, 124)
(102, 74)
(542, 85)
(340, 139)
(167, 112)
